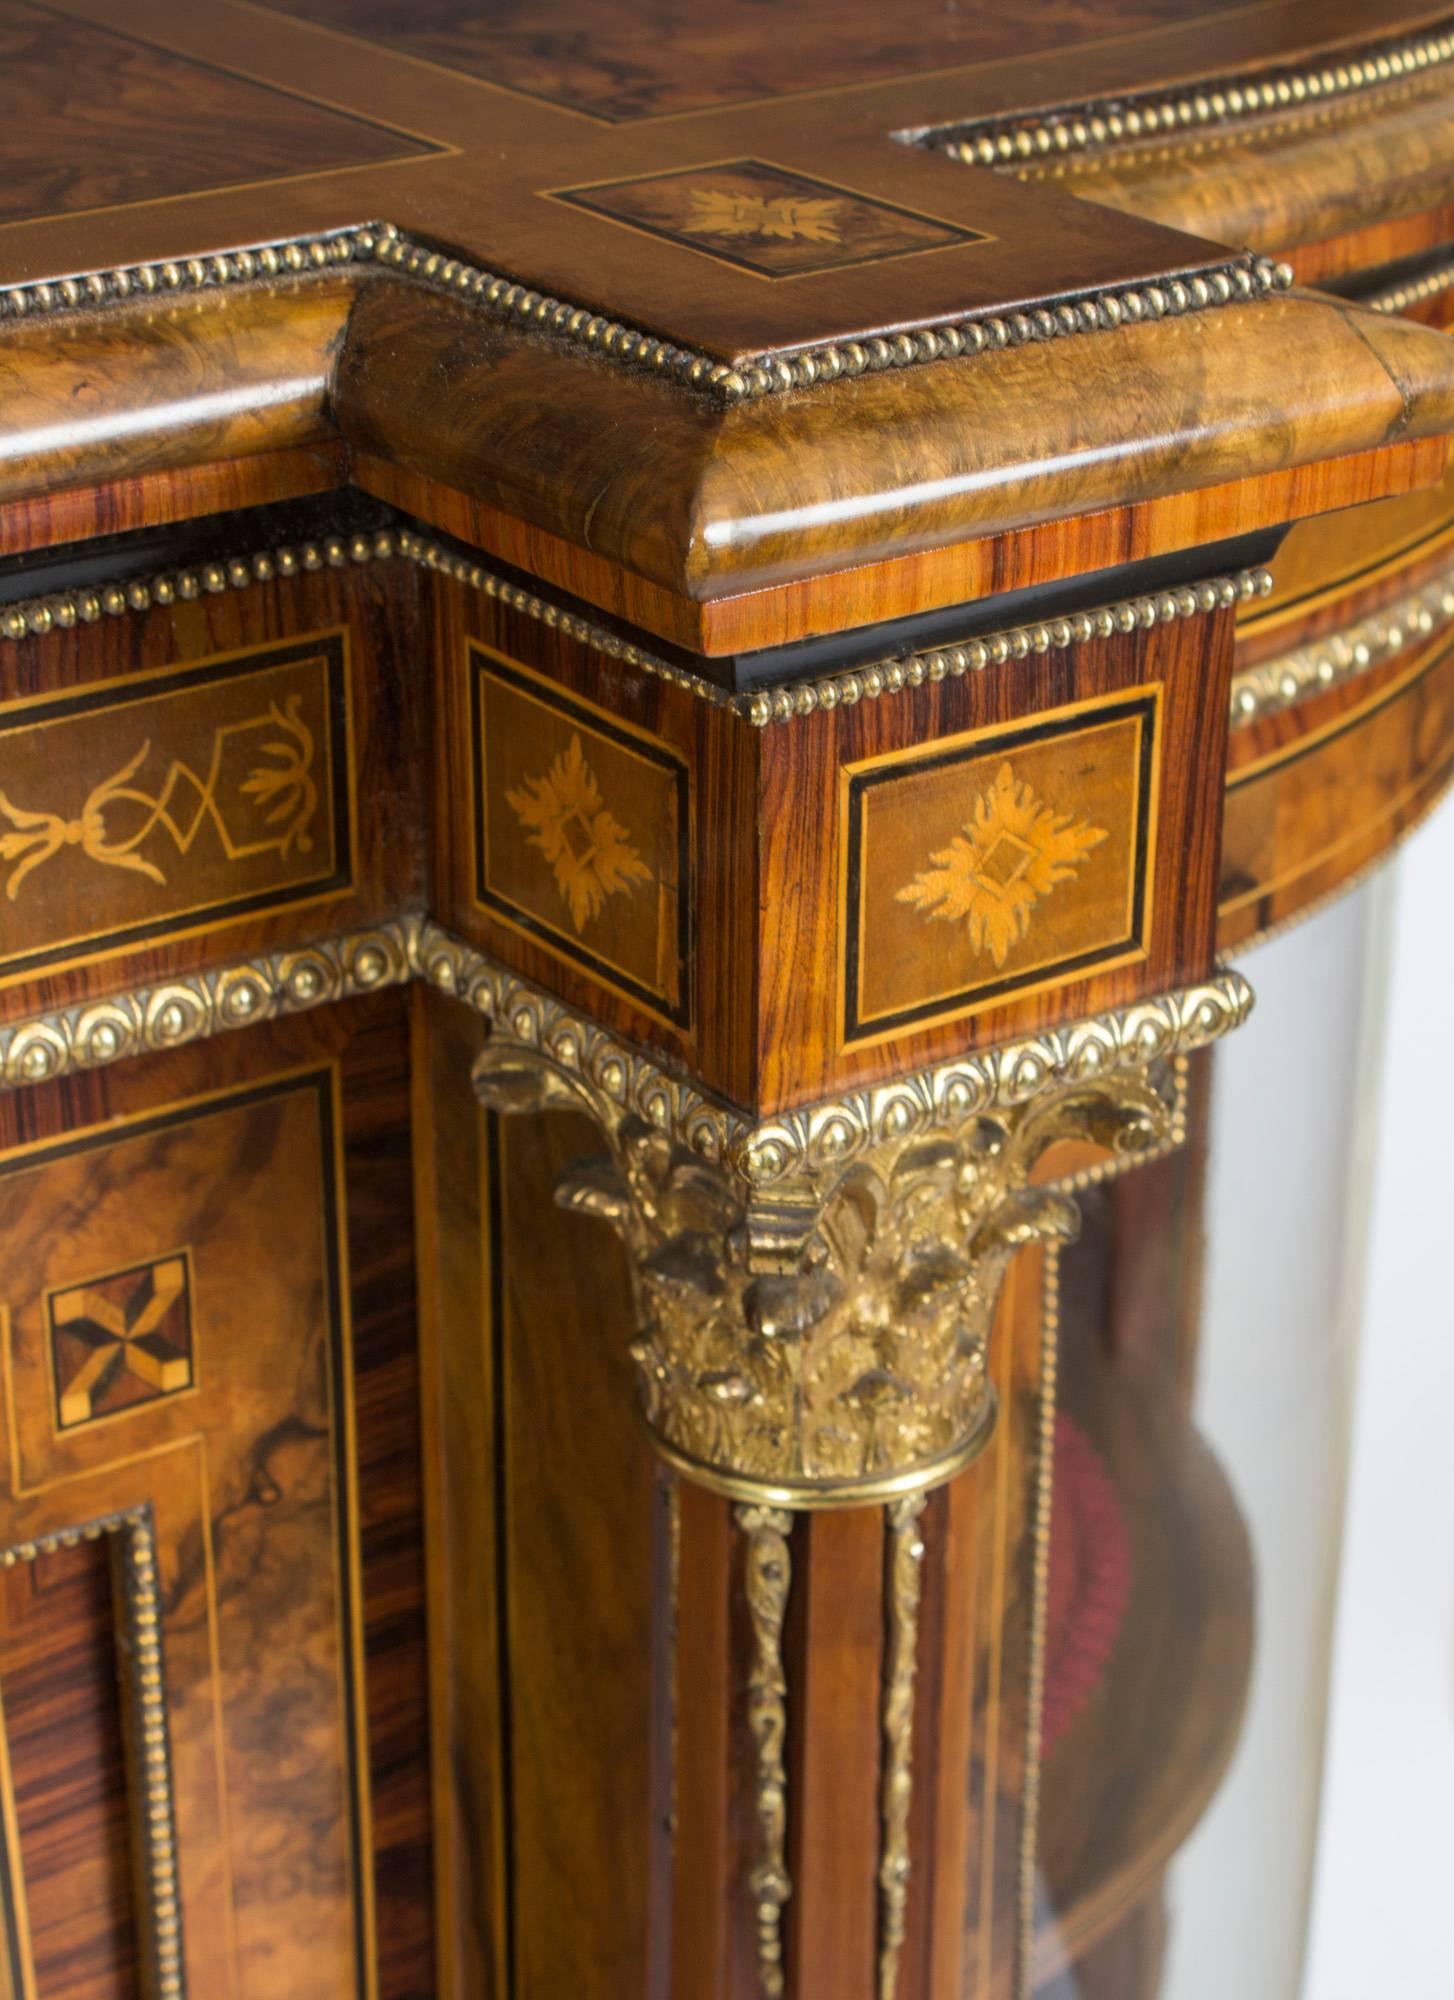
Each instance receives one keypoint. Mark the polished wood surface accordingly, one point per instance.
(640, 491)
(918, 459)
(929, 463)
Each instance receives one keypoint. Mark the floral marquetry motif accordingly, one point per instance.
(278, 792)
(204, 793)
(589, 852)
(717, 214)
(766, 220)
(994, 863)
(583, 834)
(1014, 849)
(581, 560)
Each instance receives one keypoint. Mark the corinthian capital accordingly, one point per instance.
(814, 1296)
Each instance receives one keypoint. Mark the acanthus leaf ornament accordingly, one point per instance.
(814, 1297)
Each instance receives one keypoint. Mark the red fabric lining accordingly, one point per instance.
(1089, 1582)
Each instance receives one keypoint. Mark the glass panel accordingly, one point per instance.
(1207, 1336)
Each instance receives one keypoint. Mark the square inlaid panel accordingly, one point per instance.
(582, 833)
(767, 220)
(120, 1339)
(986, 864)
(91, 117)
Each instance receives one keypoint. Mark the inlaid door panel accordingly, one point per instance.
(182, 1359)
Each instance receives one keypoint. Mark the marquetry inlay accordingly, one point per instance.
(1013, 850)
(582, 833)
(979, 865)
(125, 1240)
(766, 220)
(589, 851)
(121, 1339)
(201, 793)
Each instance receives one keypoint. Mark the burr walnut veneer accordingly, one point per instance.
(789, 587)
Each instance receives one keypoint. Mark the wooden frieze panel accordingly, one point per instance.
(183, 755)
(1025, 842)
(582, 833)
(994, 862)
(140, 806)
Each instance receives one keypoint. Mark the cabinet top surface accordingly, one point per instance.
(630, 235)
(737, 177)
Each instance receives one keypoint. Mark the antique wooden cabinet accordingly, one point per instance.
(655, 666)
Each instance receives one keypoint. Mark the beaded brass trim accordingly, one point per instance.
(827, 1137)
(1044, 1494)
(905, 1563)
(1236, 282)
(94, 1033)
(1051, 635)
(63, 610)
(148, 1745)
(1397, 298)
(1323, 663)
(1098, 122)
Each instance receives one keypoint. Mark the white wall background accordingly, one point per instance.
(1383, 1903)
(1287, 1197)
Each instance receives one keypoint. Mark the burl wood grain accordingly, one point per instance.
(303, 87)
(166, 388)
(923, 579)
(675, 57)
(710, 505)
(95, 119)
(285, 1486)
(1334, 187)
